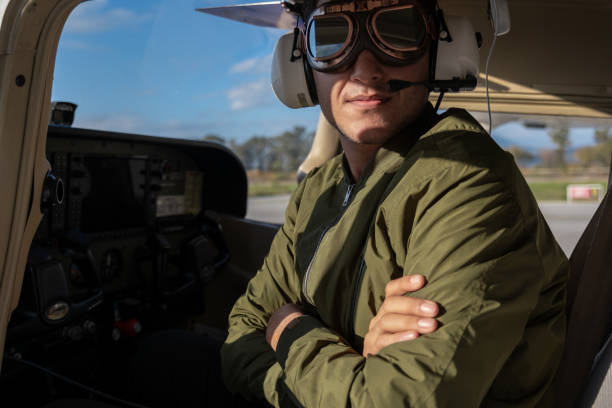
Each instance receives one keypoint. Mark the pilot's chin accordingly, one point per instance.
(374, 136)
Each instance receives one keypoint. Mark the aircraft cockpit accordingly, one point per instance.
(129, 238)
(121, 224)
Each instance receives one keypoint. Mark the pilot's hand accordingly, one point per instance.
(279, 320)
(400, 318)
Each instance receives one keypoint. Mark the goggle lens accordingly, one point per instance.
(327, 36)
(337, 32)
(401, 29)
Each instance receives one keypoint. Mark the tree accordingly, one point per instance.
(521, 156)
(599, 154)
(291, 148)
(560, 137)
(603, 135)
(548, 158)
(282, 153)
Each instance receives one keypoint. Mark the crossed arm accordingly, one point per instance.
(400, 318)
(483, 268)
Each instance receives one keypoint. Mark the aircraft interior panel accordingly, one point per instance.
(128, 244)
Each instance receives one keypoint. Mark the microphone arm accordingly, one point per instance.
(438, 85)
(396, 85)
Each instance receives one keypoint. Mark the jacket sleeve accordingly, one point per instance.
(479, 253)
(248, 363)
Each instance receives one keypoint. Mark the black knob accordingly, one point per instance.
(53, 191)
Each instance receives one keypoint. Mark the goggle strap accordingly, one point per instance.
(310, 82)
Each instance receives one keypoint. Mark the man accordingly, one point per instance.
(417, 204)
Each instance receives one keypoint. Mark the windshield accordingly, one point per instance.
(158, 67)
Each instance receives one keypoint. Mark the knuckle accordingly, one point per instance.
(372, 323)
(389, 288)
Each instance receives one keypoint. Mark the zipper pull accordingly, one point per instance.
(347, 197)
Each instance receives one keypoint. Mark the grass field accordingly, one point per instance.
(271, 188)
(556, 190)
(543, 188)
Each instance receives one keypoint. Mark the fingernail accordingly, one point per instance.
(416, 279)
(426, 323)
(428, 307)
(409, 336)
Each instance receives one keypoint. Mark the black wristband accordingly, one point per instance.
(293, 331)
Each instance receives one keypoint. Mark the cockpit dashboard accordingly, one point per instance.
(126, 247)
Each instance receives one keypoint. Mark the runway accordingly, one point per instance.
(567, 221)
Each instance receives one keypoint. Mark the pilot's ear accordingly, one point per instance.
(292, 79)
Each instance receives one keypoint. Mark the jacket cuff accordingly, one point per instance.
(293, 331)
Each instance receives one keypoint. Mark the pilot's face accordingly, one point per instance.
(357, 103)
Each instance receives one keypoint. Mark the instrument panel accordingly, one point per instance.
(115, 188)
(133, 241)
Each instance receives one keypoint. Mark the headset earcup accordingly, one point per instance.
(291, 79)
(459, 58)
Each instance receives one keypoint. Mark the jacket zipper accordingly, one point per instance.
(353, 309)
(345, 203)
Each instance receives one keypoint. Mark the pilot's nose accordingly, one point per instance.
(366, 69)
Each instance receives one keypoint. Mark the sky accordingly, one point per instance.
(158, 67)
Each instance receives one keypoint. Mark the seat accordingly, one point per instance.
(589, 313)
(598, 393)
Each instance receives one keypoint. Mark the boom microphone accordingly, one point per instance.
(395, 85)
(438, 85)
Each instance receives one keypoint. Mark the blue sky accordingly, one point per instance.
(158, 67)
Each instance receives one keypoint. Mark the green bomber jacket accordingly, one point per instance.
(440, 199)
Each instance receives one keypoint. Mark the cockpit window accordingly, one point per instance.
(160, 68)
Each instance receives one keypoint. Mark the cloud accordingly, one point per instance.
(94, 16)
(257, 65)
(249, 95)
(138, 124)
(227, 124)
(116, 123)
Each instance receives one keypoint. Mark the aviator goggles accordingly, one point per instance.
(395, 31)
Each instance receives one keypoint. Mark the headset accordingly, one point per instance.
(454, 68)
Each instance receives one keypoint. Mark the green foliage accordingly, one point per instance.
(282, 153)
(262, 189)
(548, 158)
(598, 155)
(560, 137)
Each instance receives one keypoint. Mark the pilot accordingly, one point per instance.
(413, 269)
